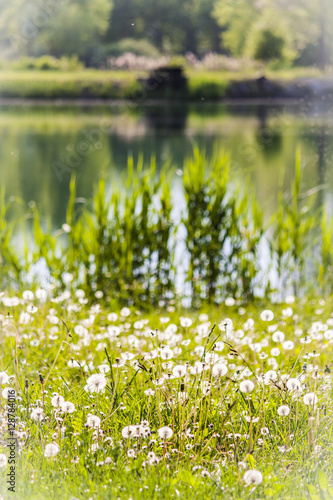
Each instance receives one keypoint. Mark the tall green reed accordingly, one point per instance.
(123, 242)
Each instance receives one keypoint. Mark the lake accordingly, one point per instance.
(41, 145)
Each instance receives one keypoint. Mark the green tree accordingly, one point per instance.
(56, 27)
(237, 17)
(247, 21)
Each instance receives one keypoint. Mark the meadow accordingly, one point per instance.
(234, 402)
(116, 383)
(88, 83)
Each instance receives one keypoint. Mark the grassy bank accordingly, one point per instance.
(231, 402)
(91, 83)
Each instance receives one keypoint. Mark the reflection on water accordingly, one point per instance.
(42, 146)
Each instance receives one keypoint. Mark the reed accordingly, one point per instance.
(122, 243)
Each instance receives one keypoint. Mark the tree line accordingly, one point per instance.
(297, 32)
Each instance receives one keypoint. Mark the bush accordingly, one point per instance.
(269, 46)
(46, 63)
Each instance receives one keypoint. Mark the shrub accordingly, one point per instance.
(46, 63)
(268, 46)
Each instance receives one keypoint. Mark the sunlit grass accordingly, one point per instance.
(87, 83)
(174, 368)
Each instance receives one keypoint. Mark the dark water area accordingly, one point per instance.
(41, 146)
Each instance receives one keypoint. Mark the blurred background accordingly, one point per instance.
(74, 95)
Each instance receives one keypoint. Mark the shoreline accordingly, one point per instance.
(98, 102)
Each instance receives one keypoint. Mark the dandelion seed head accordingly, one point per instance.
(3, 460)
(67, 407)
(253, 476)
(246, 386)
(267, 315)
(51, 450)
(165, 432)
(57, 401)
(310, 399)
(283, 410)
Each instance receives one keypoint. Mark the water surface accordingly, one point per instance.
(42, 145)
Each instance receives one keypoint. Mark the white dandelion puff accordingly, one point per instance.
(165, 432)
(283, 410)
(51, 450)
(252, 476)
(57, 401)
(3, 460)
(96, 383)
(67, 407)
(310, 399)
(246, 386)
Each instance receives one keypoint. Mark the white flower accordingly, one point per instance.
(203, 317)
(96, 383)
(293, 384)
(283, 410)
(310, 399)
(131, 431)
(51, 450)
(226, 326)
(218, 346)
(3, 460)
(104, 368)
(179, 371)
(41, 294)
(185, 322)
(270, 375)
(124, 312)
(112, 317)
(73, 364)
(28, 295)
(246, 386)
(267, 315)
(149, 392)
(229, 301)
(165, 432)
(166, 353)
(288, 345)
(67, 407)
(278, 336)
(252, 476)
(219, 370)
(287, 313)
(93, 421)
(3, 378)
(37, 414)
(57, 401)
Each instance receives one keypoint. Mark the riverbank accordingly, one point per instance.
(91, 84)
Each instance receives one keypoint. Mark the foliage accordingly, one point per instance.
(58, 28)
(270, 25)
(269, 46)
(97, 30)
(45, 63)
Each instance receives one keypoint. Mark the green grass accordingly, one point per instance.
(79, 84)
(217, 428)
(93, 83)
